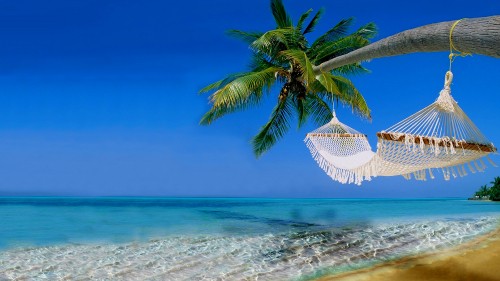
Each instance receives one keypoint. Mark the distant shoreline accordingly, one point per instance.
(479, 199)
(224, 197)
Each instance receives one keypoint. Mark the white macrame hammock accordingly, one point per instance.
(342, 152)
(439, 136)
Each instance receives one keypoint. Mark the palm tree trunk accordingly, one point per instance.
(475, 35)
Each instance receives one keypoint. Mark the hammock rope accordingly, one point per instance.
(452, 46)
(342, 152)
(440, 136)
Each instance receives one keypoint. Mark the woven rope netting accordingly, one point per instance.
(438, 136)
(342, 152)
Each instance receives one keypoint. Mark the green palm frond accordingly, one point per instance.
(280, 15)
(300, 104)
(314, 21)
(221, 83)
(239, 90)
(367, 31)
(350, 69)
(211, 87)
(337, 32)
(302, 61)
(302, 18)
(318, 109)
(326, 80)
(276, 40)
(337, 48)
(275, 128)
(273, 41)
(215, 113)
(496, 181)
(345, 92)
(270, 38)
(355, 99)
(261, 61)
(240, 93)
(247, 37)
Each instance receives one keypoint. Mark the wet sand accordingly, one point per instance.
(478, 260)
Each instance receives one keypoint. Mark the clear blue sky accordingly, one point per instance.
(100, 98)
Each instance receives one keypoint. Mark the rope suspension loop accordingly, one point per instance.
(448, 79)
(459, 53)
(333, 107)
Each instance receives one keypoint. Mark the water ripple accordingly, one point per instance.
(251, 257)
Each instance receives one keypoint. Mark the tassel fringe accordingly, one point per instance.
(356, 175)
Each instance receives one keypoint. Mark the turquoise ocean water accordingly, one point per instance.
(116, 238)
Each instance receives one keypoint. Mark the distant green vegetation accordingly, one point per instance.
(492, 193)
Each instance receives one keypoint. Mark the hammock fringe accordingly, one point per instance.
(440, 136)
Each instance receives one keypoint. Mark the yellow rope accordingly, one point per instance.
(452, 47)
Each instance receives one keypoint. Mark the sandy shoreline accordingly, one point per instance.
(476, 260)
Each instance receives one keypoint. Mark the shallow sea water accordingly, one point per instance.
(223, 239)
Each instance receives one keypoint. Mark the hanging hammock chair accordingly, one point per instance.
(342, 152)
(438, 136)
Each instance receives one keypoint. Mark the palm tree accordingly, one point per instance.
(483, 191)
(495, 189)
(496, 182)
(284, 57)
